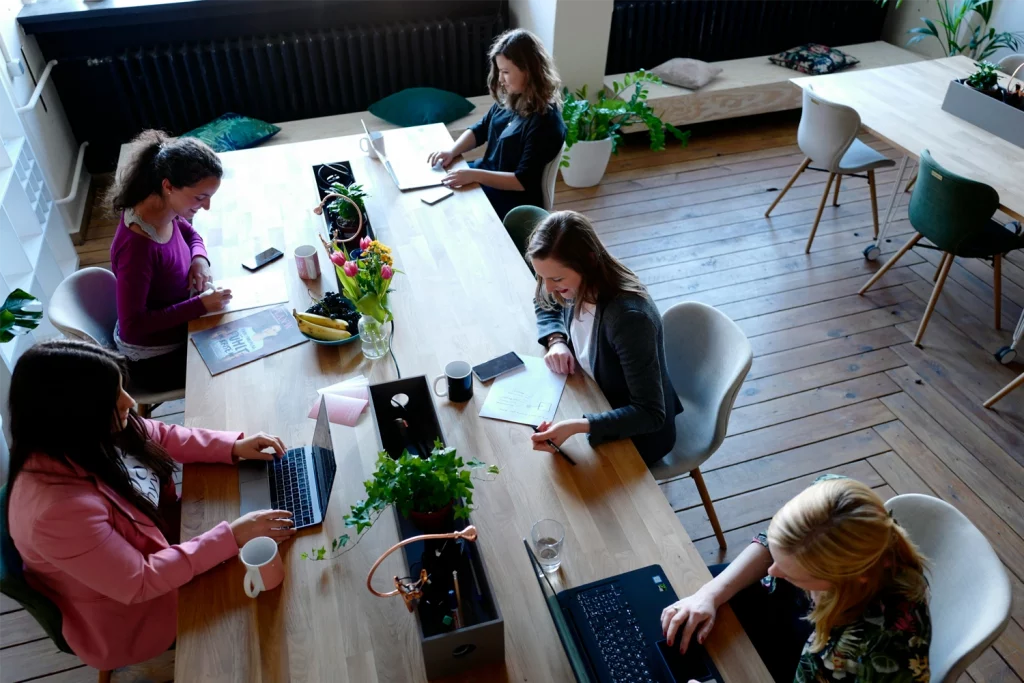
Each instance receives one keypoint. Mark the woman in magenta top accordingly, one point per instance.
(159, 260)
(93, 511)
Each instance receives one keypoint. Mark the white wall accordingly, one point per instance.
(1008, 15)
(536, 16)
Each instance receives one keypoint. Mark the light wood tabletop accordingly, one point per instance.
(464, 293)
(903, 105)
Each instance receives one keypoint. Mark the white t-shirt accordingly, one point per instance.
(581, 332)
(143, 479)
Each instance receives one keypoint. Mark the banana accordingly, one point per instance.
(320, 332)
(320, 320)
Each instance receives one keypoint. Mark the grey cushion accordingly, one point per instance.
(686, 73)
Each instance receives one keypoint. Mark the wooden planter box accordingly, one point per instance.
(481, 640)
(985, 112)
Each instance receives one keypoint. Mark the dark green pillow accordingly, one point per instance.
(420, 106)
(229, 132)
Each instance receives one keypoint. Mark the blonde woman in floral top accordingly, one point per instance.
(843, 596)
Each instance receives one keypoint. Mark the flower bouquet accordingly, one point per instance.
(366, 282)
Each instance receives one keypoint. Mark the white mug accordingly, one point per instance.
(376, 140)
(306, 262)
(264, 569)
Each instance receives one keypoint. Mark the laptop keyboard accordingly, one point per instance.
(289, 487)
(619, 638)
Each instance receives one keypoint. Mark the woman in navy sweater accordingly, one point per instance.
(523, 128)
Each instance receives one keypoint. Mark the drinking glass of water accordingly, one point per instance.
(548, 535)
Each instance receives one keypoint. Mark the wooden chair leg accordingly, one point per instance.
(938, 268)
(709, 507)
(803, 166)
(105, 676)
(910, 185)
(835, 195)
(143, 409)
(874, 201)
(821, 208)
(939, 284)
(997, 288)
(891, 262)
(1019, 382)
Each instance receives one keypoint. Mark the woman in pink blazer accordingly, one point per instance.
(92, 503)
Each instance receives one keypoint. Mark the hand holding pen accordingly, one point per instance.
(543, 439)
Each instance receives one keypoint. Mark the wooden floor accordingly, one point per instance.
(836, 385)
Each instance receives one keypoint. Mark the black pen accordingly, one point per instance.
(558, 450)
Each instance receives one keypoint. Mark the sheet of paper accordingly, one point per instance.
(529, 396)
(253, 291)
(341, 410)
(355, 387)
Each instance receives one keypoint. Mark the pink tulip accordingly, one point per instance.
(364, 243)
(350, 268)
(338, 258)
(386, 272)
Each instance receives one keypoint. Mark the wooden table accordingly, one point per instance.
(465, 293)
(903, 106)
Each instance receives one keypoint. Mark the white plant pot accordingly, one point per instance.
(587, 162)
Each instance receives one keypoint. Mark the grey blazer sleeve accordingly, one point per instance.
(549, 321)
(634, 337)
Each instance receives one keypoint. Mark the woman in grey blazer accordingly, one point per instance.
(593, 314)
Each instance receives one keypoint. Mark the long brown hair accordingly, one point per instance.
(839, 531)
(569, 238)
(525, 50)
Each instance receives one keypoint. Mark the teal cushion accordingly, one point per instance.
(233, 131)
(420, 106)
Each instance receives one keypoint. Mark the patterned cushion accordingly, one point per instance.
(229, 132)
(814, 59)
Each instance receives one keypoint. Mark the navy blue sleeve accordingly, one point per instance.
(542, 141)
(481, 127)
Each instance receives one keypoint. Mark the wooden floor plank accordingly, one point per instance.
(979, 325)
(990, 668)
(19, 627)
(976, 332)
(1010, 646)
(814, 354)
(898, 474)
(31, 660)
(8, 604)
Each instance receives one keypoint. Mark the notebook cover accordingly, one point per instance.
(244, 340)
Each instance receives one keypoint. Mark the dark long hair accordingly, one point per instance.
(184, 162)
(87, 378)
(525, 50)
(569, 238)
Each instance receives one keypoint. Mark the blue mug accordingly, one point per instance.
(459, 386)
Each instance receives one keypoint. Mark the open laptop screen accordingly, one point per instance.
(576, 659)
(324, 465)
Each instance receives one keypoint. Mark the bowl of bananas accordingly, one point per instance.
(331, 321)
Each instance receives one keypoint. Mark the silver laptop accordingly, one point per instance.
(299, 482)
(408, 172)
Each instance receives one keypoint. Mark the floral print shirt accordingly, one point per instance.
(887, 644)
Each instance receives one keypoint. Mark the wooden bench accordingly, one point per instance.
(751, 86)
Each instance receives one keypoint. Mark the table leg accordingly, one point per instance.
(872, 251)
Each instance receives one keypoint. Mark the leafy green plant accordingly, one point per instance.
(955, 24)
(586, 121)
(14, 318)
(342, 209)
(986, 76)
(412, 484)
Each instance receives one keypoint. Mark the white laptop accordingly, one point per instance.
(409, 173)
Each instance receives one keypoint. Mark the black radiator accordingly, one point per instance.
(275, 78)
(645, 33)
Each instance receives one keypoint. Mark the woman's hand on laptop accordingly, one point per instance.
(693, 615)
(253, 447)
(277, 524)
(460, 177)
(444, 156)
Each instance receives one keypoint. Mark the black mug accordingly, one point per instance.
(460, 381)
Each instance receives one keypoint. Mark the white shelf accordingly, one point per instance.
(13, 148)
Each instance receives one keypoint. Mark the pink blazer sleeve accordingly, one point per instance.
(194, 445)
(195, 243)
(76, 535)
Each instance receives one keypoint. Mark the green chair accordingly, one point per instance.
(955, 214)
(520, 222)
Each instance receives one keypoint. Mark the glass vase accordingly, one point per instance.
(373, 336)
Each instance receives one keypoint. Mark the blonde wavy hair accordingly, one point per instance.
(543, 87)
(838, 531)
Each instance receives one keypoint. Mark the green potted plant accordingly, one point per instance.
(20, 313)
(431, 492)
(342, 214)
(985, 79)
(593, 129)
(963, 29)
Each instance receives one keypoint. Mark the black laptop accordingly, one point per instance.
(299, 482)
(611, 629)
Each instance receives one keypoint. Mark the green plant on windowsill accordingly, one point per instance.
(20, 313)
(955, 24)
(413, 485)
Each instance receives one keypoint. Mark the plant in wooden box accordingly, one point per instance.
(20, 313)
(431, 492)
(593, 129)
(366, 281)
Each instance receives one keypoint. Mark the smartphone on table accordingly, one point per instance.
(488, 370)
(261, 259)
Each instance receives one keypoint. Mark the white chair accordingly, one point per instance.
(708, 357)
(1010, 63)
(84, 307)
(828, 138)
(547, 183)
(969, 589)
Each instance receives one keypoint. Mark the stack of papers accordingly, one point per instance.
(529, 396)
(345, 401)
(252, 291)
